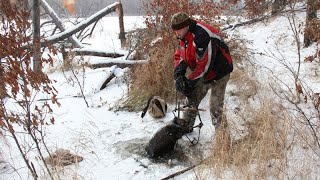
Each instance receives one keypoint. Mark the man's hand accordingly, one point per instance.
(184, 85)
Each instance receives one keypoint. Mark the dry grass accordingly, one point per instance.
(153, 78)
(247, 86)
(255, 154)
(70, 61)
(63, 157)
(243, 75)
(275, 145)
(312, 30)
(240, 52)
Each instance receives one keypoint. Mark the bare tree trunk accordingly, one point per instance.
(122, 35)
(75, 42)
(36, 35)
(311, 15)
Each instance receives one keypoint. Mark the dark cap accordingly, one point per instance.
(180, 20)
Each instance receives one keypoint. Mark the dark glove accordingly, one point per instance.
(184, 85)
(180, 70)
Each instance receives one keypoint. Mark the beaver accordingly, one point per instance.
(164, 140)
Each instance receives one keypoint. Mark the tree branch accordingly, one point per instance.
(120, 64)
(180, 172)
(93, 52)
(58, 22)
(258, 19)
(63, 35)
(111, 76)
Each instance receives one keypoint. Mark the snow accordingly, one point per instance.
(54, 16)
(112, 141)
(90, 20)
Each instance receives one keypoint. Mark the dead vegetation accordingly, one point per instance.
(63, 157)
(268, 136)
(247, 86)
(152, 78)
(257, 153)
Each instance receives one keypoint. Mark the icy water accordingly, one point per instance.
(184, 153)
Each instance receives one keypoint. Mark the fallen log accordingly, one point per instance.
(93, 52)
(112, 75)
(252, 21)
(262, 18)
(58, 22)
(104, 85)
(120, 64)
(69, 32)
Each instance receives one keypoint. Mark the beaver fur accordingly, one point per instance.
(164, 140)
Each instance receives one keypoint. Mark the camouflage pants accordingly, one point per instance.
(216, 101)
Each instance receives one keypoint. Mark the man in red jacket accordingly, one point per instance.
(202, 50)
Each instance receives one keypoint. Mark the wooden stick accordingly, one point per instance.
(185, 170)
(180, 172)
(191, 109)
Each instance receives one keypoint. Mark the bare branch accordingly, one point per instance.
(59, 23)
(252, 21)
(63, 35)
(120, 64)
(92, 52)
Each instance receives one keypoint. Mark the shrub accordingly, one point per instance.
(254, 153)
(152, 78)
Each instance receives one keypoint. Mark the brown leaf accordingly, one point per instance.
(2, 124)
(309, 59)
(35, 122)
(52, 120)
(317, 99)
(299, 88)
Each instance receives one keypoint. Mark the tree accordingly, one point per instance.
(21, 84)
(36, 35)
(122, 35)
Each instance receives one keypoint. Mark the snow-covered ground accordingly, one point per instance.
(112, 142)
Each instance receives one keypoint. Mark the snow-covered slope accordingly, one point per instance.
(112, 142)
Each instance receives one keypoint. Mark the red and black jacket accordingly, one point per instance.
(204, 52)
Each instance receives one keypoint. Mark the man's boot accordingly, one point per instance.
(219, 119)
(190, 117)
(216, 118)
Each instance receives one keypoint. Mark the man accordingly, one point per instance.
(203, 51)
